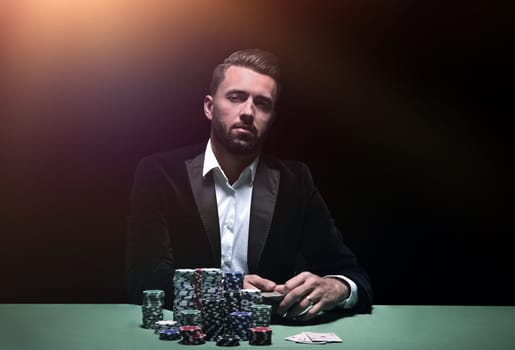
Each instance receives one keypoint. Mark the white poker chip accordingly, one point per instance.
(166, 323)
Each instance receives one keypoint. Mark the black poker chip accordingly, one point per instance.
(228, 340)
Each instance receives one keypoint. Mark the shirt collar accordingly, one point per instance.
(210, 163)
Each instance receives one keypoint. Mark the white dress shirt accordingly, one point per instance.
(233, 211)
(234, 216)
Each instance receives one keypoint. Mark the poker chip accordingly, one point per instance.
(194, 340)
(228, 340)
(213, 317)
(192, 335)
(232, 301)
(152, 307)
(260, 336)
(164, 324)
(249, 297)
(240, 324)
(190, 317)
(184, 292)
(261, 315)
(211, 283)
(209, 305)
(233, 281)
(193, 285)
(169, 334)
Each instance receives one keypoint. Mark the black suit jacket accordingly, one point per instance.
(173, 223)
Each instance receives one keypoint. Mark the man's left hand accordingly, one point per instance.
(307, 294)
(258, 282)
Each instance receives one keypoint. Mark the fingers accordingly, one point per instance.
(280, 289)
(295, 290)
(255, 281)
(306, 295)
(303, 307)
(312, 310)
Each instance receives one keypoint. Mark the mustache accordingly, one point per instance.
(248, 127)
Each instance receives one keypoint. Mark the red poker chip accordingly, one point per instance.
(192, 335)
(189, 328)
(195, 339)
(261, 329)
(260, 336)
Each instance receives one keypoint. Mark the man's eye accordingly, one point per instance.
(234, 98)
(265, 105)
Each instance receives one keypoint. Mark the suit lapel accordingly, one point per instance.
(205, 198)
(264, 196)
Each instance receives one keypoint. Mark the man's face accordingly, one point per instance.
(241, 110)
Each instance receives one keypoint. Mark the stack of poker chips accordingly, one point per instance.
(227, 340)
(261, 315)
(169, 334)
(232, 301)
(184, 292)
(213, 317)
(240, 323)
(238, 301)
(232, 304)
(233, 281)
(249, 297)
(190, 317)
(164, 324)
(192, 335)
(260, 336)
(167, 330)
(191, 285)
(212, 305)
(152, 307)
(210, 283)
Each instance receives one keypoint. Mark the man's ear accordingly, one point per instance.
(208, 107)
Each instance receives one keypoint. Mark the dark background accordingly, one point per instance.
(403, 111)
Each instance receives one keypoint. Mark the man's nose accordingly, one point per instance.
(247, 112)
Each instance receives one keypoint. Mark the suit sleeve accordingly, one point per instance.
(149, 263)
(323, 248)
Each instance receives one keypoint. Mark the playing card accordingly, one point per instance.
(272, 296)
(325, 337)
(303, 338)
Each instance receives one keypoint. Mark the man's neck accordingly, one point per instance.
(231, 164)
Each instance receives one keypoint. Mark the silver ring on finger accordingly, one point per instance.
(311, 302)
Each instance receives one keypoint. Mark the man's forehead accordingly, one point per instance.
(246, 79)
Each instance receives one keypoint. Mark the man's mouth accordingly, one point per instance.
(245, 128)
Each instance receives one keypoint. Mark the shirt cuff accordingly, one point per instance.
(352, 299)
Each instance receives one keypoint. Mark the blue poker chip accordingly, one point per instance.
(169, 334)
(241, 314)
(239, 324)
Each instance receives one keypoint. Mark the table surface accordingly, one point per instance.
(117, 326)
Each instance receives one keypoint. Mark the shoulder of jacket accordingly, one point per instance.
(287, 166)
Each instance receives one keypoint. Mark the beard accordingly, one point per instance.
(235, 142)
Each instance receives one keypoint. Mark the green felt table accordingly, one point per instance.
(116, 326)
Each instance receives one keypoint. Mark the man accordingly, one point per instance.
(225, 204)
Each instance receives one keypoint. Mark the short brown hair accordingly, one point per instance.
(258, 60)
